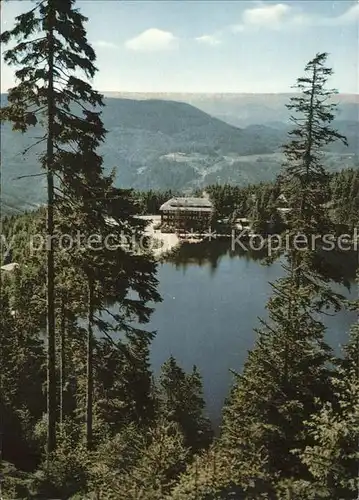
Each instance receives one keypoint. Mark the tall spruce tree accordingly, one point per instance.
(123, 387)
(50, 52)
(284, 375)
(182, 402)
(288, 371)
(305, 177)
(22, 359)
(120, 278)
(333, 456)
(161, 458)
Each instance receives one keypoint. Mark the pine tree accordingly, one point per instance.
(284, 374)
(51, 49)
(120, 279)
(306, 181)
(183, 403)
(333, 456)
(69, 307)
(161, 460)
(288, 371)
(305, 178)
(21, 378)
(123, 385)
(216, 476)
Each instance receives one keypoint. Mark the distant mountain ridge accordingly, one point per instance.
(243, 109)
(158, 144)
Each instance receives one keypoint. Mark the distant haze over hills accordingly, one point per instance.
(226, 96)
(242, 109)
(161, 144)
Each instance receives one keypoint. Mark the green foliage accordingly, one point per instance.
(290, 425)
(161, 458)
(229, 199)
(345, 198)
(22, 360)
(123, 383)
(333, 457)
(143, 154)
(305, 178)
(51, 54)
(216, 476)
(283, 376)
(182, 402)
(149, 202)
(66, 472)
(287, 375)
(15, 483)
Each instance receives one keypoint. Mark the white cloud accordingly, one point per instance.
(102, 44)
(152, 39)
(237, 28)
(266, 15)
(348, 17)
(283, 16)
(209, 40)
(301, 20)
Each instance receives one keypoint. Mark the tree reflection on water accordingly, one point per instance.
(339, 266)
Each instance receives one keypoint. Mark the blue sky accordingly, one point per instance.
(213, 46)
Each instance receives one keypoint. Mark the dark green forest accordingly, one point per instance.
(261, 201)
(81, 414)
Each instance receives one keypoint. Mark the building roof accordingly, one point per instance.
(187, 204)
(282, 198)
(10, 267)
(284, 210)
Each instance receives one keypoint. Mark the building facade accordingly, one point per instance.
(186, 214)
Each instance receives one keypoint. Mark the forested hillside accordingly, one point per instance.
(81, 414)
(168, 145)
(243, 110)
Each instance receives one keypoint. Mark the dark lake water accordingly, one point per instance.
(212, 298)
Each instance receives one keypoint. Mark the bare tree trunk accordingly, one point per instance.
(51, 349)
(62, 361)
(89, 378)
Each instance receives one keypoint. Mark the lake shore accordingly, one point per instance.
(163, 242)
